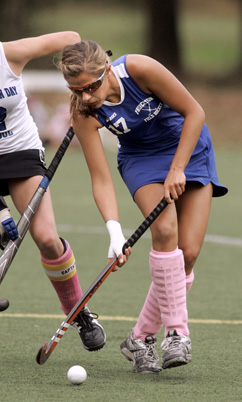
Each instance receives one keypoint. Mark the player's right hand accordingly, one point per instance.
(117, 241)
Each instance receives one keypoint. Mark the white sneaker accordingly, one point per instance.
(143, 354)
(177, 350)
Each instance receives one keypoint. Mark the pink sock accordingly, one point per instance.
(189, 280)
(149, 321)
(63, 276)
(168, 274)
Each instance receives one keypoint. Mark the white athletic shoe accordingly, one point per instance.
(178, 350)
(143, 354)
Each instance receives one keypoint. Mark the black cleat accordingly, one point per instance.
(91, 332)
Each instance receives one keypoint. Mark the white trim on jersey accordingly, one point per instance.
(119, 72)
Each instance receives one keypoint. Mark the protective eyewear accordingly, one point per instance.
(90, 88)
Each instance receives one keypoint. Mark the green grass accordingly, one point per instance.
(216, 295)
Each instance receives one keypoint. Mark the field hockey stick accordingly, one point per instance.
(25, 220)
(47, 348)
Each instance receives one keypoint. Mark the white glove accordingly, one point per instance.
(117, 239)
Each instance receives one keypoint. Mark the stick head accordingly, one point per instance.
(43, 354)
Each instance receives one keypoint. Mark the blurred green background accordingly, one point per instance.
(206, 35)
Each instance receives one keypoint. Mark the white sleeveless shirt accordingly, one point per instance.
(18, 131)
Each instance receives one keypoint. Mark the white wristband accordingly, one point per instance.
(113, 227)
(117, 239)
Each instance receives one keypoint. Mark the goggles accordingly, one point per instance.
(90, 88)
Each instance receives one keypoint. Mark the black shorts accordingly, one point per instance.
(16, 165)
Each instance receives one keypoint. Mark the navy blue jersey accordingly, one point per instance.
(139, 120)
(148, 132)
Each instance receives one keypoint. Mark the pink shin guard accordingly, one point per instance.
(166, 301)
(63, 276)
(149, 321)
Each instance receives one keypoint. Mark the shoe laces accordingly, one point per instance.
(147, 349)
(150, 353)
(173, 342)
(84, 319)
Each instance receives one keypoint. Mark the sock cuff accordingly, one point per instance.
(62, 259)
(62, 268)
(165, 254)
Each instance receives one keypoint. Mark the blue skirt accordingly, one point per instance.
(151, 165)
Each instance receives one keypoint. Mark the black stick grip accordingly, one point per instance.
(145, 224)
(59, 154)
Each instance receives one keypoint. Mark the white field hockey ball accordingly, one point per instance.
(77, 375)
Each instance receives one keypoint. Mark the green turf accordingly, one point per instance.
(216, 295)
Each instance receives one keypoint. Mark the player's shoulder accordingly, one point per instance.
(138, 64)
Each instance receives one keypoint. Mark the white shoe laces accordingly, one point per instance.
(173, 342)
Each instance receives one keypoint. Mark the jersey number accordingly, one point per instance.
(3, 115)
(120, 122)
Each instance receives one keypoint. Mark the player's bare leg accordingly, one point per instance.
(193, 209)
(58, 260)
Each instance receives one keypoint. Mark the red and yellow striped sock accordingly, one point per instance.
(63, 276)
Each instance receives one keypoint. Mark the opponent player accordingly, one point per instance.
(22, 166)
(165, 149)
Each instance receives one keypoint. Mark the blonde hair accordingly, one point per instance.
(85, 56)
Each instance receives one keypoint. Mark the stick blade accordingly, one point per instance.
(42, 354)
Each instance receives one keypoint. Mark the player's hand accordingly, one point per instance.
(117, 241)
(174, 185)
(8, 229)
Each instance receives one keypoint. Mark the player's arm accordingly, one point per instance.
(86, 130)
(20, 52)
(154, 78)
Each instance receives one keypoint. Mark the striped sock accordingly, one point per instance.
(63, 276)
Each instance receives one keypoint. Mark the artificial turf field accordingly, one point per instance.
(214, 303)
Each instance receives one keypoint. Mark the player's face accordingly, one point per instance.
(88, 88)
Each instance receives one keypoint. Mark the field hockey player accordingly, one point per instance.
(165, 149)
(22, 167)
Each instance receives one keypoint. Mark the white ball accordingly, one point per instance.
(77, 375)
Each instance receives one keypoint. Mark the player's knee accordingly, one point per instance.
(49, 244)
(164, 234)
(190, 257)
